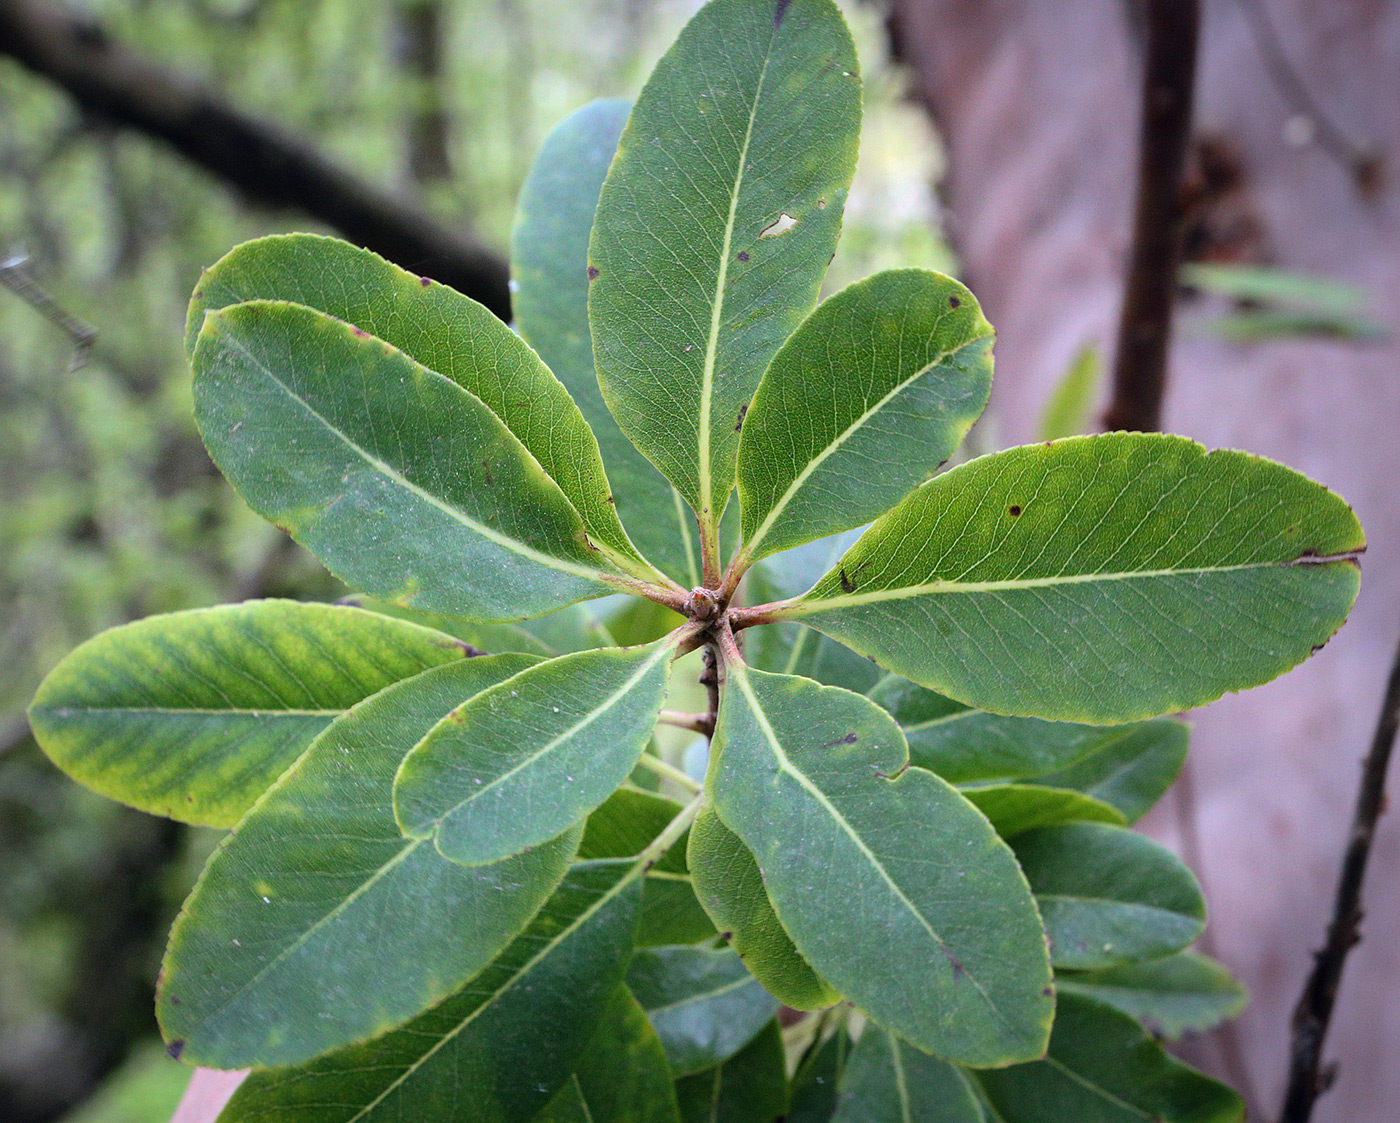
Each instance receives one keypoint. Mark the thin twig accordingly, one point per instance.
(1360, 160)
(709, 679)
(15, 276)
(697, 723)
(1144, 327)
(1306, 1078)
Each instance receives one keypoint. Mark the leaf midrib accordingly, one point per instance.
(573, 730)
(705, 995)
(849, 600)
(784, 763)
(707, 379)
(529, 965)
(751, 547)
(514, 545)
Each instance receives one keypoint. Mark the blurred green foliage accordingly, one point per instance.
(109, 508)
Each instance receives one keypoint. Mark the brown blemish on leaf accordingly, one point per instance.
(1047, 992)
(359, 331)
(425, 281)
(848, 739)
(780, 11)
(1014, 510)
(739, 425)
(468, 650)
(175, 1048)
(847, 585)
(743, 255)
(486, 464)
(592, 272)
(954, 302)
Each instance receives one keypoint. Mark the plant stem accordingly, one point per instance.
(668, 771)
(697, 723)
(1313, 1014)
(1144, 328)
(709, 679)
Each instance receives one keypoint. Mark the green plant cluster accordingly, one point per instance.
(457, 884)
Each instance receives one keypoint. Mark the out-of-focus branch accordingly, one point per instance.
(1306, 1078)
(1144, 326)
(257, 157)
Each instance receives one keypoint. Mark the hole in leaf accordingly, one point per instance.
(785, 223)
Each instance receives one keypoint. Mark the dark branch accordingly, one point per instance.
(1144, 327)
(255, 156)
(1306, 1078)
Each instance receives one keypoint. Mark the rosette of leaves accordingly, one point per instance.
(447, 895)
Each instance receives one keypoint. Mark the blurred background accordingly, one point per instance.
(141, 139)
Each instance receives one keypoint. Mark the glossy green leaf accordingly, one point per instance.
(896, 891)
(623, 826)
(868, 398)
(887, 1080)
(1108, 895)
(748, 1088)
(405, 485)
(549, 268)
(525, 760)
(812, 1098)
(703, 1004)
(964, 745)
(1131, 772)
(622, 1077)
(268, 961)
(1100, 579)
(1102, 1068)
(444, 331)
(1015, 808)
(496, 1050)
(194, 714)
(1184, 993)
(792, 649)
(715, 226)
(730, 887)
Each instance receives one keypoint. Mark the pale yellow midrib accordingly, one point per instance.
(707, 382)
(903, 592)
(816, 793)
(593, 715)
(751, 546)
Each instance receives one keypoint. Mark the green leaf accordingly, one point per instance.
(624, 826)
(496, 1050)
(896, 891)
(792, 649)
(1108, 895)
(1100, 579)
(812, 1098)
(528, 758)
(964, 745)
(194, 714)
(444, 331)
(268, 961)
(1102, 1067)
(549, 266)
(702, 1003)
(1070, 410)
(866, 400)
(748, 1088)
(715, 226)
(1182, 994)
(730, 887)
(889, 1081)
(1131, 772)
(401, 482)
(622, 1077)
(1015, 808)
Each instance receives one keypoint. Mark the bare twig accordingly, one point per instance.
(1306, 1078)
(709, 679)
(1360, 160)
(1144, 327)
(255, 156)
(696, 723)
(15, 276)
